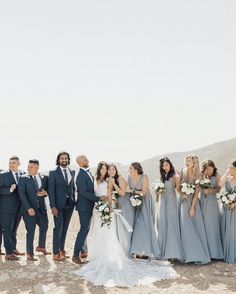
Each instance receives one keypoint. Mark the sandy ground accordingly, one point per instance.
(46, 276)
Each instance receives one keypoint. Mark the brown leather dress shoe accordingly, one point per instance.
(63, 254)
(31, 257)
(77, 260)
(11, 257)
(16, 252)
(58, 257)
(1, 253)
(43, 250)
(84, 255)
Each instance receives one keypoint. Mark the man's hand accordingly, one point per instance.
(12, 188)
(103, 198)
(42, 193)
(54, 211)
(31, 212)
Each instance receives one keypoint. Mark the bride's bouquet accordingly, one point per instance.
(158, 187)
(136, 200)
(227, 198)
(105, 213)
(187, 189)
(205, 184)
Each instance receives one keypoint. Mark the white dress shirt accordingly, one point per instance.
(68, 173)
(14, 175)
(38, 180)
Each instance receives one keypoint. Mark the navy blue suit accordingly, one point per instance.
(10, 215)
(62, 197)
(85, 205)
(28, 195)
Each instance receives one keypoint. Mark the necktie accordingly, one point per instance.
(66, 176)
(36, 183)
(17, 178)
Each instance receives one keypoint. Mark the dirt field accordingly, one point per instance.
(46, 276)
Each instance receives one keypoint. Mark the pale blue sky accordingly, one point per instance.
(116, 80)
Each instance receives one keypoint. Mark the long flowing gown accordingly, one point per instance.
(193, 233)
(144, 238)
(211, 218)
(109, 266)
(168, 223)
(229, 229)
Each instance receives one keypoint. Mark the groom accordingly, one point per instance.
(86, 199)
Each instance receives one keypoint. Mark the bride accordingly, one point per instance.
(108, 265)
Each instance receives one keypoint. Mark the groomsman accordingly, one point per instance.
(85, 205)
(32, 191)
(10, 215)
(61, 191)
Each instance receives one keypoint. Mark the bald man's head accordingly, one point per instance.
(82, 161)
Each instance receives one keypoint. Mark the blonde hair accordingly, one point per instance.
(196, 169)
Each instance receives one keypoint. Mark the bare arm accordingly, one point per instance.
(223, 179)
(218, 187)
(144, 186)
(194, 202)
(121, 189)
(177, 182)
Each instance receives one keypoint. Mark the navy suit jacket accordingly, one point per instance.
(59, 192)
(9, 202)
(28, 193)
(85, 189)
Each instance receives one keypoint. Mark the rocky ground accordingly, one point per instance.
(46, 276)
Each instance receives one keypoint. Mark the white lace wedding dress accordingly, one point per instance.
(108, 265)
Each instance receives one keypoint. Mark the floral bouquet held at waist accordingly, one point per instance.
(105, 213)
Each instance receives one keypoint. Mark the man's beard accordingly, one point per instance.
(64, 164)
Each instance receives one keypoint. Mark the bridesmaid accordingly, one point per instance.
(118, 184)
(192, 228)
(211, 211)
(144, 242)
(168, 214)
(229, 217)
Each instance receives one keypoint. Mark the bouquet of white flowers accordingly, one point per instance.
(205, 183)
(227, 198)
(187, 189)
(136, 200)
(158, 187)
(105, 214)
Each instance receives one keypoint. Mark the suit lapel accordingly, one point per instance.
(87, 176)
(33, 183)
(72, 173)
(60, 174)
(13, 178)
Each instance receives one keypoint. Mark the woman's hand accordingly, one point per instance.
(128, 190)
(206, 191)
(111, 180)
(191, 212)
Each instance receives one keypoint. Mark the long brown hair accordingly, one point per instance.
(98, 172)
(138, 167)
(209, 163)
